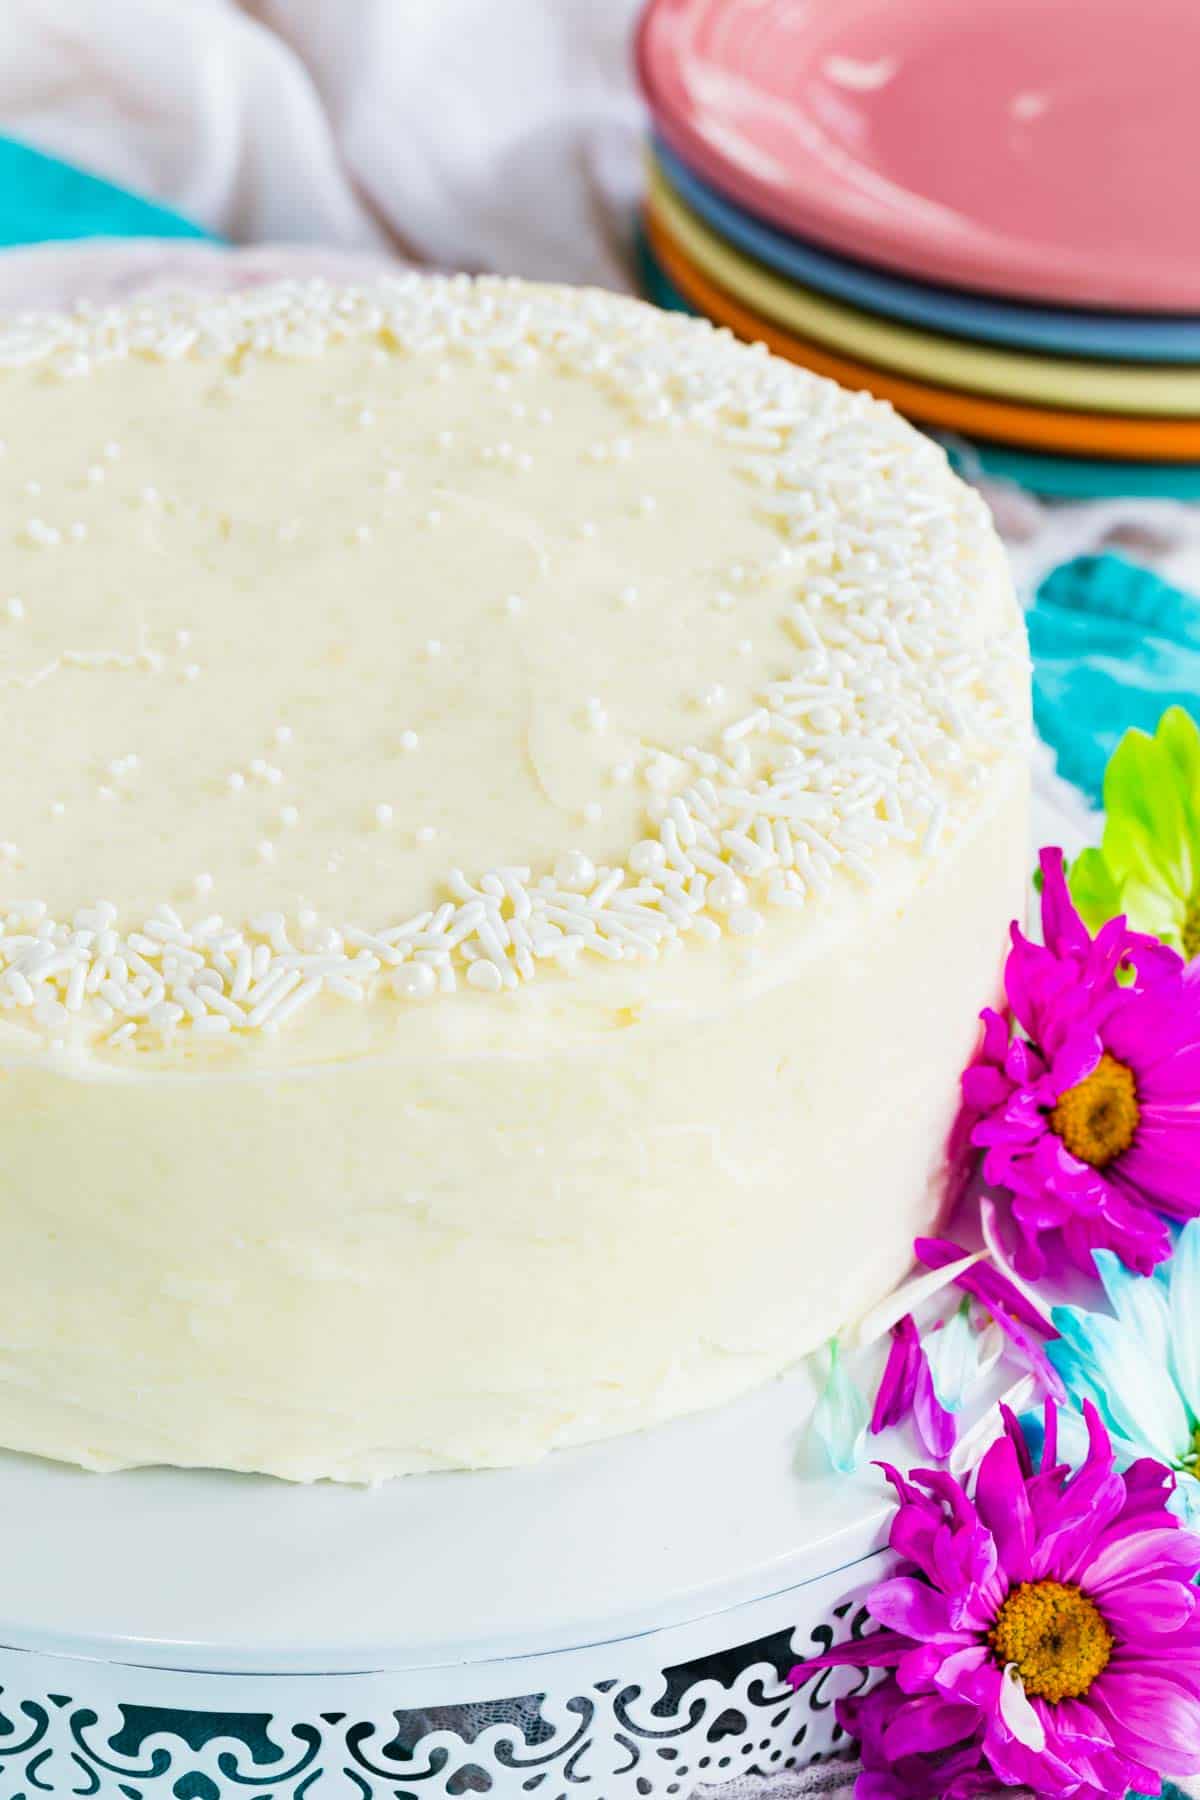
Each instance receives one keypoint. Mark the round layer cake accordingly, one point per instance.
(513, 804)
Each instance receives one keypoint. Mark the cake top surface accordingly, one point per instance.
(386, 642)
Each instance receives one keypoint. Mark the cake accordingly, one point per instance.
(513, 803)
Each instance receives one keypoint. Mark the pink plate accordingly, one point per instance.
(1042, 148)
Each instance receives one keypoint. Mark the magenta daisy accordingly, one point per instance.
(1089, 1115)
(1042, 1634)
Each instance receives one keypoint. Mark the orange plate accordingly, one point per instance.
(1004, 421)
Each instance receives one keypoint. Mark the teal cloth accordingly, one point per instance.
(1113, 645)
(42, 199)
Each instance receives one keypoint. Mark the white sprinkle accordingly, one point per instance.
(629, 597)
(409, 740)
(433, 647)
(485, 975)
(425, 834)
(235, 781)
(414, 981)
(203, 883)
(266, 850)
(514, 604)
(283, 734)
(575, 872)
(384, 814)
(15, 608)
(45, 536)
(289, 815)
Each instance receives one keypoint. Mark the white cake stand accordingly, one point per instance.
(616, 1621)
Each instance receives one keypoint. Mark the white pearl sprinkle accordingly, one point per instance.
(415, 981)
(575, 872)
(486, 976)
(726, 892)
(647, 857)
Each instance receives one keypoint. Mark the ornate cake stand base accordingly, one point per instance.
(616, 1622)
(665, 1713)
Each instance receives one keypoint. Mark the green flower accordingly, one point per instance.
(1148, 863)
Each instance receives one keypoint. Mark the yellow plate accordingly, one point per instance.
(950, 362)
(974, 415)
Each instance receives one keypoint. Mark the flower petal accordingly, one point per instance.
(1018, 1714)
(1184, 1303)
(928, 1723)
(912, 1607)
(1151, 1717)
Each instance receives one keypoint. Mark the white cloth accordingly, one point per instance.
(496, 134)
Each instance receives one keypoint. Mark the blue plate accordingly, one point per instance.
(1058, 477)
(1077, 477)
(1117, 336)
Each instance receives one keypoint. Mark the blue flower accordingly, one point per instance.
(1140, 1365)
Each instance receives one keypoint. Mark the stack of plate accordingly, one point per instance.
(985, 213)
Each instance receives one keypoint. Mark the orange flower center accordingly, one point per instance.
(1054, 1636)
(1096, 1119)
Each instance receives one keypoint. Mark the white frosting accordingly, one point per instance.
(397, 678)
